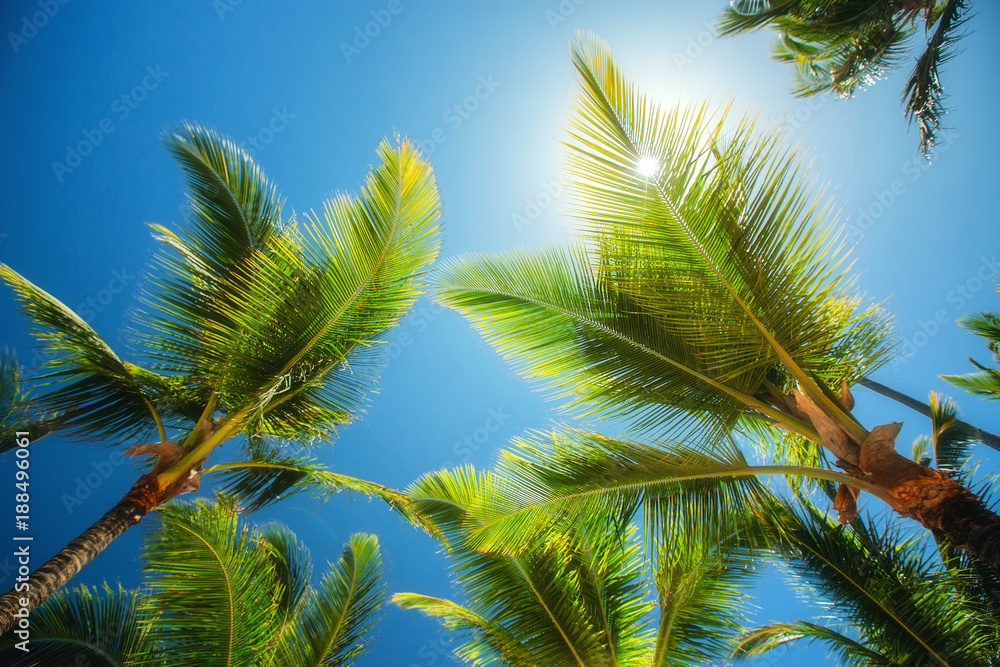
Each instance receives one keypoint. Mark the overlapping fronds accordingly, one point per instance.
(898, 597)
(334, 628)
(271, 317)
(102, 627)
(842, 47)
(292, 568)
(700, 288)
(93, 391)
(571, 595)
(202, 559)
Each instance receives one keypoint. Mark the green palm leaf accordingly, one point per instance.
(104, 627)
(202, 559)
(269, 474)
(770, 637)
(93, 391)
(924, 93)
(335, 627)
(279, 332)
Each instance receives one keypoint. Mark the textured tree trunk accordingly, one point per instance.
(985, 437)
(59, 569)
(937, 501)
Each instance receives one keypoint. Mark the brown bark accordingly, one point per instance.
(59, 569)
(919, 492)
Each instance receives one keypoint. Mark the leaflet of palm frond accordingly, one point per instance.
(336, 624)
(546, 312)
(93, 392)
(702, 594)
(680, 489)
(892, 588)
(855, 62)
(102, 627)
(724, 243)
(986, 381)
(924, 95)
(766, 638)
(293, 569)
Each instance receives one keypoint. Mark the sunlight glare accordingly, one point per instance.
(648, 165)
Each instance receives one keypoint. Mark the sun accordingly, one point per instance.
(648, 165)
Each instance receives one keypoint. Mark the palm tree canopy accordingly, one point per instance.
(572, 591)
(254, 321)
(710, 285)
(841, 46)
(219, 592)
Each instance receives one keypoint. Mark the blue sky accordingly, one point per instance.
(484, 86)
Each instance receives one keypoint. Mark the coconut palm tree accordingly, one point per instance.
(841, 47)
(573, 593)
(217, 592)
(255, 325)
(706, 296)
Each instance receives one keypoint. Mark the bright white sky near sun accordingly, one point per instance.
(484, 85)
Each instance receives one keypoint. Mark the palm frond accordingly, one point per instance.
(484, 641)
(985, 381)
(201, 558)
(91, 389)
(924, 94)
(293, 569)
(103, 627)
(767, 638)
(894, 592)
(569, 595)
(269, 474)
(953, 439)
(335, 627)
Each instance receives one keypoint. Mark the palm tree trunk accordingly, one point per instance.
(985, 437)
(59, 569)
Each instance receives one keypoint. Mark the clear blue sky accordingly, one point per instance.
(312, 99)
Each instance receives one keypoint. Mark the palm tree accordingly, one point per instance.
(573, 593)
(841, 47)
(706, 293)
(256, 325)
(217, 592)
